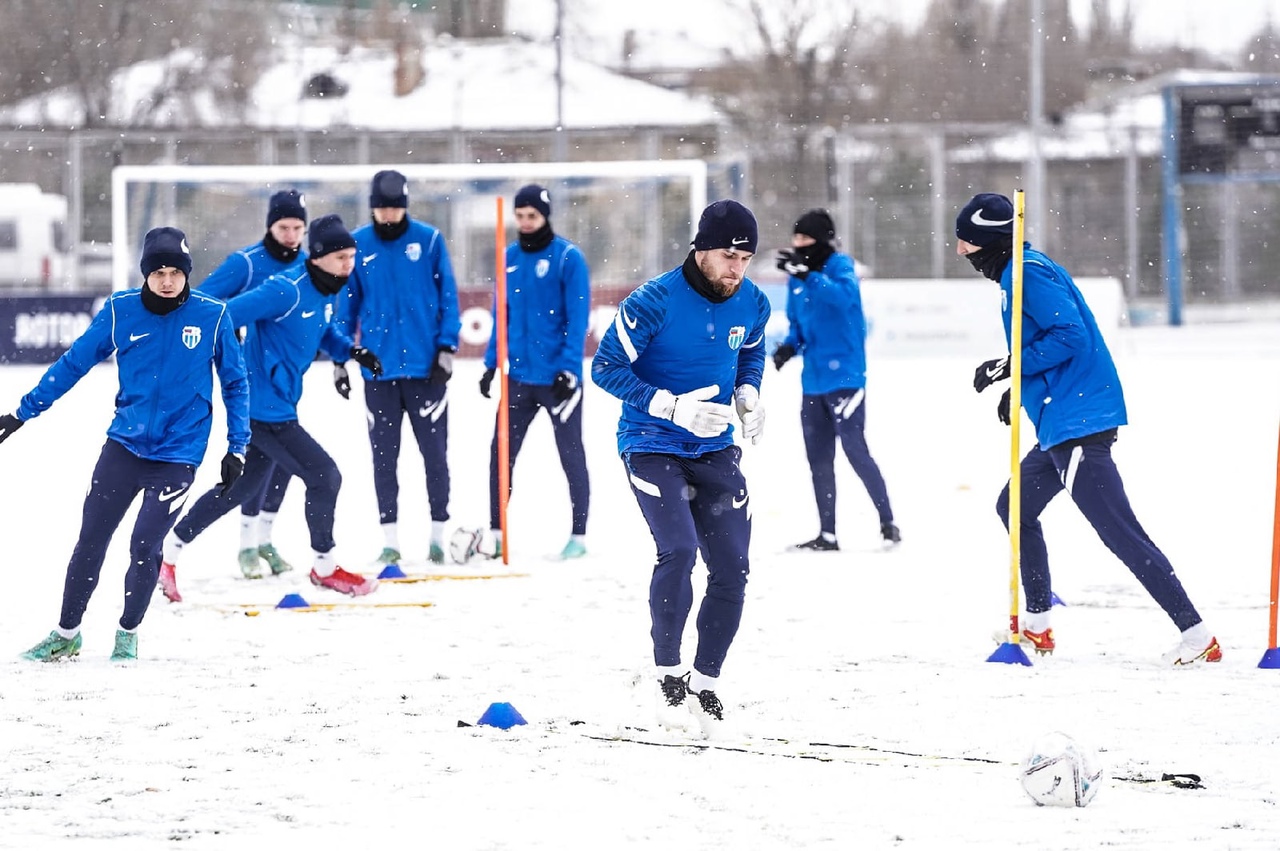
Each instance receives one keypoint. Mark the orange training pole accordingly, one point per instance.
(504, 411)
(1015, 414)
(1275, 559)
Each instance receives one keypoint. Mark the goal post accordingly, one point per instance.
(632, 218)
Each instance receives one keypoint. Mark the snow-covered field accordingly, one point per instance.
(341, 727)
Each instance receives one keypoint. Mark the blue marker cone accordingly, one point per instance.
(1270, 659)
(504, 716)
(1055, 600)
(1010, 654)
(292, 601)
(391, 571)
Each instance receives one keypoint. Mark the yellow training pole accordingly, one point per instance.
(504, 411)
(1015, 417)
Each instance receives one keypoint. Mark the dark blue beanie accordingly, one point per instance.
(286, 204)
(328, 234)
(536, 197)
(726, 224)
(985, 218)
(389, 189)
(163, 247)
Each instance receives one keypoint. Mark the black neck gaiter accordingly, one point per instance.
(391, 231)
(537, 240)
(323, 281)
(278, 251)
(161, 306)
(991, 260)
(699, 281)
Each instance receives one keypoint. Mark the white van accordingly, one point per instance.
(33, 238)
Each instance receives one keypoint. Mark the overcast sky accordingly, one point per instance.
(1186, 23)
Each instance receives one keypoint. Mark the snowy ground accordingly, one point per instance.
(337, 727)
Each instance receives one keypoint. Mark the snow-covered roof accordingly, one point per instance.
(480, 85)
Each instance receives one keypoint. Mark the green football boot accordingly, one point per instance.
(436, 556)
(126, 649)
(274, 560)
(250, 565)
(573, 549)
(389, 556)
(54, 647)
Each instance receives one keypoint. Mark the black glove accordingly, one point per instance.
(793, 264)
(990, 372)
(486, 381)
(1002, 410)
(341, 381)
(782, 354)
(442, 369)
(367, 359)
(565, 385)
(9, 423)
(232, 469)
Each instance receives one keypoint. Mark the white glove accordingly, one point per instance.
(747, 400)
(693, 411)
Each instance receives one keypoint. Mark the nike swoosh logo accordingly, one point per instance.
(133, 338)
(307, 314)
(631, 323)
(981, 221)
(994, 371)
(738, 503)
(165, 496)
(367, 259)
(512, 269)
(742, 240)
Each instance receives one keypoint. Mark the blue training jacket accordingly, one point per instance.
(548, 308)
(291, 320)
(402, 299)
(1070, 387)
(164, 409)
(243, 270)
(667, 336)
(828, 327)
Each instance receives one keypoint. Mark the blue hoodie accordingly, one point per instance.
(243, 270)
(164, 409)
(828, 327)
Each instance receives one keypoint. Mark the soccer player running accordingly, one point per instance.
(167, 341)
(279, 248)
(827, 327)
(402, 300)
(684, 349)
(1072, 395)
(548, 307)
(290, 317)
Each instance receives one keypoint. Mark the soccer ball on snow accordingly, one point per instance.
(1060, 772)
(464, 544)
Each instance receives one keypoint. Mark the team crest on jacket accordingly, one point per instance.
(737, 334)
(191, 336)
(413, 251)
(542, 267)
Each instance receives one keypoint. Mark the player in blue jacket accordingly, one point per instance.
(290, 318)
(827, 327)
(1072, 395)
(683, 351)
(402, 300)
(279, 249)
(167, 342)
(548, 308)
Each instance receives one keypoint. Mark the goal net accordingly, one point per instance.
(632, 219)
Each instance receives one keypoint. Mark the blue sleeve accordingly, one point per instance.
(491, 350)
(269, 301)
(751, 355)
(1061, 333)
(91, 348)
(228, 360)
(577, 299)
(450, 318)
(230, 278)
(346, 314)
(795, 337)
(639, 318)
(336, 344)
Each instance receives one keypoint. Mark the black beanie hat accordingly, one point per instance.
(726, 224)
(817, 224)
(389, 189)
(163, 247)
(286, 204)
(536, 197)
(984, 219)
(327, 235)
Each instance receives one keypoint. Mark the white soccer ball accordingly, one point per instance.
(464, 544)
(1060, 772)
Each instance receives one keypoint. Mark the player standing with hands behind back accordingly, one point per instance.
(683, 351)
(548, 306)
(1071, 392)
